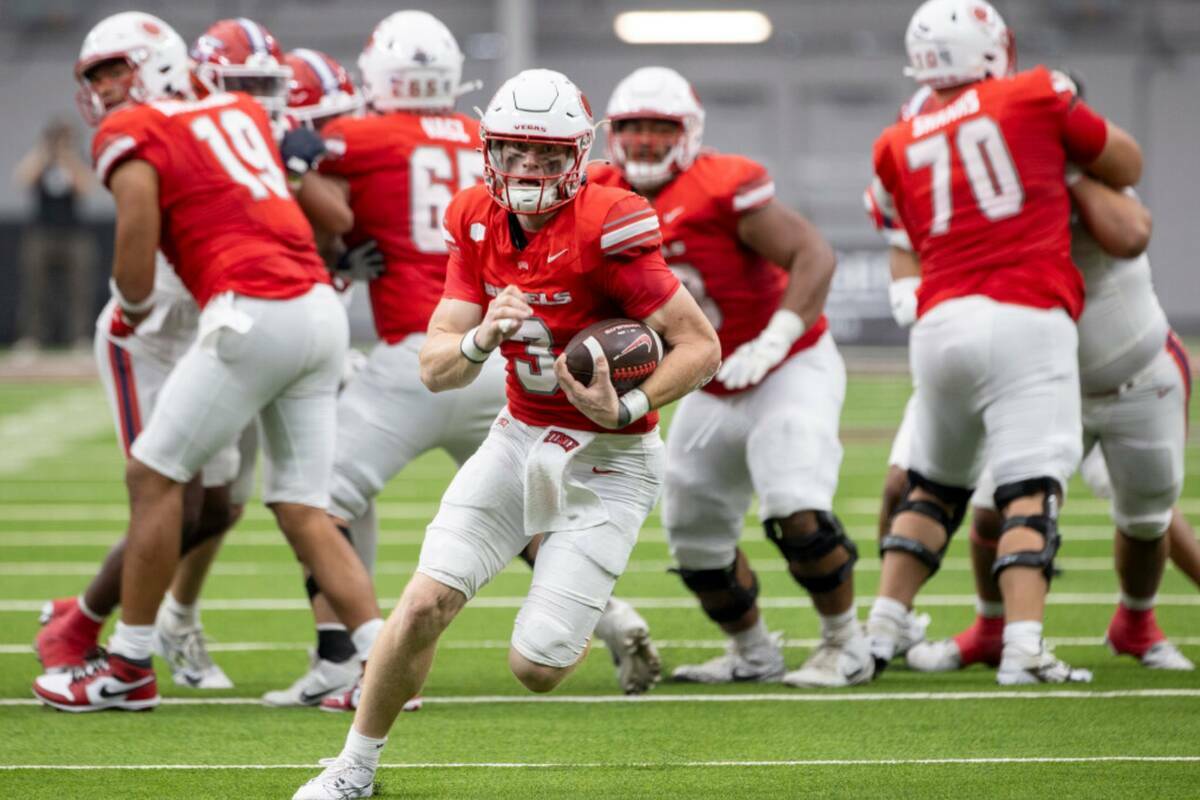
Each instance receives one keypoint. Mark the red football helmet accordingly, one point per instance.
(240, 55)
(320, 89)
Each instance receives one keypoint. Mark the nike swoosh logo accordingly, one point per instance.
(550, 258)
(1163, 392)
(307, 698)
(599, 471)
(124, 688)
(670, 216)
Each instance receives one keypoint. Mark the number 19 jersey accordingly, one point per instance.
(978, 184)
(403, 169)
(229, 223)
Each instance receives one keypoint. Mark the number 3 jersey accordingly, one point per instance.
(229, 223)
(699, 210)
(403, 168)
(978, 184)
(598, 258)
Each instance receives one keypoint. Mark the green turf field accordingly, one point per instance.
(1132, 733)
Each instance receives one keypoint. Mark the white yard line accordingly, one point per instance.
(660, 603)
(812, 762)
(24, 649)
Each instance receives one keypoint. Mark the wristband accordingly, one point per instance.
(140, 307)
(633, 405)
(470, 350)
(786, 325)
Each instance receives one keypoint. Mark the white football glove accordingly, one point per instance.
(751, 362)
(902, 297)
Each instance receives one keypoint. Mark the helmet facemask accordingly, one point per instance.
(533, 175)
(649, 151)
(266, 81)
(93, 106)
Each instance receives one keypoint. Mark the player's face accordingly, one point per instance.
(648, 140)
(531, 159)
(111, 81)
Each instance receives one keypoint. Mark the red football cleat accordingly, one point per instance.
(109, 681)
(982, 642)
(68, 636)
(348, 701)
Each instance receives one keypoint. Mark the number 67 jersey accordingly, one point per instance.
(978, 183)
(229, 222)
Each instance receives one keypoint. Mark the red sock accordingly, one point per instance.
(982, 642)
(1134, 632)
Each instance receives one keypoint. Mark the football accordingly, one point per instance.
(632, 348)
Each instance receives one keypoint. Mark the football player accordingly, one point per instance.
(768, 424)
(1135, 383)
(993, 349)
(201, 178)
(536, 254)
(133, 365)
(397, 170)
(241, 55)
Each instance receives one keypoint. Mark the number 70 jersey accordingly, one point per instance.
(229, 223)
(978, 182)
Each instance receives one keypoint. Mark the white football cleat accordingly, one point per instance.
(341, 779)
(762, 664)
(627, 636)
(940, 656)
(835, 665)
(913, 632)
(1021, 668)
(1164, 655)
(323, 679)
(186, 652)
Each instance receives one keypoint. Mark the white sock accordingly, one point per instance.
(1025, 635)
(183, 616)
(888, 617)
(989, 608)
(87, 612)
(839, 627)
(362, 749)
(132, 641)
(364, 637)
(753, 637)
(1138, 603)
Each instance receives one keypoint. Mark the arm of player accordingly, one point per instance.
(1120, 162)
(461, 337)
(134, 186)
(693, 355)
(325, 201)
(784, 237)
(905, 268)
(1117, 220)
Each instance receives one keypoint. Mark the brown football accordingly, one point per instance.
(632, 348)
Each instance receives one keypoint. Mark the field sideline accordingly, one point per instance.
(481, 735)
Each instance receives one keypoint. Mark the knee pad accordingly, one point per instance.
(1146, 529)
(957, 498)
(805, 549)
(1045, 523)
(737, 599)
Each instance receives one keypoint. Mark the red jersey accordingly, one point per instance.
(403, 169)
(229, 223)
(699, 210)
(598, 258)
(978, 184)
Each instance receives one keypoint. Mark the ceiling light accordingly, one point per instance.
(692, 27)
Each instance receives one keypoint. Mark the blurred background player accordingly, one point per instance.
(536, 255)
(271, 338)
(993, 349)
(56, 238)
(768, 424)
(241, 55)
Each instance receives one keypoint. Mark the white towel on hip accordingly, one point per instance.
(554, 502)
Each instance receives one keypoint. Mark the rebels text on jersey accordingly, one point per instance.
(403, 169)
(978, 184)
(596, 259)
(699, 210)
(229, 222)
